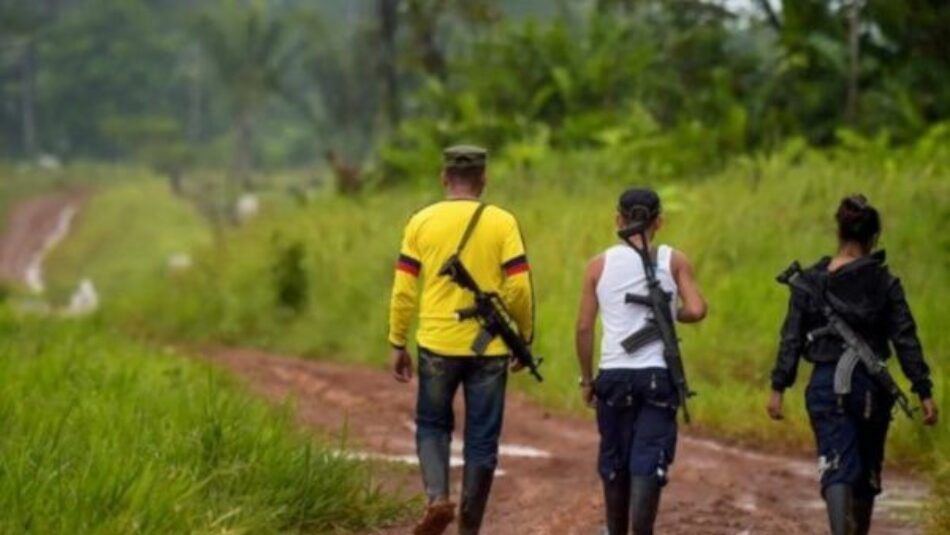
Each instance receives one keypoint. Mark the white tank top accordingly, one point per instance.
(623, 274)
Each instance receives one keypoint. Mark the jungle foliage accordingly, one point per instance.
(382, 84)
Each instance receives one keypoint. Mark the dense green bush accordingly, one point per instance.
(101, 435)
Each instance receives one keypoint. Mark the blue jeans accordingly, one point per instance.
(850, 432)
(636, 417)
(483, 380)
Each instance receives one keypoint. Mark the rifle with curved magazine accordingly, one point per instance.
(489, 310)
(661, 325)
(856, 348)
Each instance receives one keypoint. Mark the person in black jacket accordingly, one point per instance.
(850, 431)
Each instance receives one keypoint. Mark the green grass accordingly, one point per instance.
(123, 238)
(101, 435)
(739, 227)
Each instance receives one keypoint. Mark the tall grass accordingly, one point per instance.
(740, 228)
(123, 238)
(103, 436)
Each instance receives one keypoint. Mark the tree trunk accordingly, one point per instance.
(388, 69)
(243, 147)
(176, 182)
(424, 20)
(770, 14)
(28, 99)
(195, 97)
(854, 59)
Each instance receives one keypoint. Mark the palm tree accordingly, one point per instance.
(251, 48)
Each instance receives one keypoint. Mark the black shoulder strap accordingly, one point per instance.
(472, 223)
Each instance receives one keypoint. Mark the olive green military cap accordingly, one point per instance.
(464, 157)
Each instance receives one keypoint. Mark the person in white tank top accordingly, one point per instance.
(635, 399)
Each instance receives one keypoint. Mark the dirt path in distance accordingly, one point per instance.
(31, 229)
(548, 483)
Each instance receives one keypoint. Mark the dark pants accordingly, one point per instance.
(850, 431)
(636, 417)
(483, 380)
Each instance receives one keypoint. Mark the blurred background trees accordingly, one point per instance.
(379, 85)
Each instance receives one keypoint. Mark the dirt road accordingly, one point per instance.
(548, 483)
(32, 228)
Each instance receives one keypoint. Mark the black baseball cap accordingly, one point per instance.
(639, 204)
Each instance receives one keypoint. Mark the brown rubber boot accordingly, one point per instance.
(438, 517)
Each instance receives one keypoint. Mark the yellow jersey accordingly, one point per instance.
(495, 256)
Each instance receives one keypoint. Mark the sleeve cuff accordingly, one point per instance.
(924, 390)
(778, 387)
(397, 346)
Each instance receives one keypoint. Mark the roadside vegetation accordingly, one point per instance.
(315, 280)
(752, 122)
(124, 237)
(102, 435)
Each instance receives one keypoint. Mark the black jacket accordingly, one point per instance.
(877, 311)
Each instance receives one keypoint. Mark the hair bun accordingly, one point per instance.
(639, 213)
(857, 202)
(858, 221)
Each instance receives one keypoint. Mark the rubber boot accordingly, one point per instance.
(645, 502)
(476, 485)
(617, 500)
(863, 511)
(839, 499)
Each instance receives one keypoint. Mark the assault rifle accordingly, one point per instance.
(856, 349)
(661, 325)
(492, 316)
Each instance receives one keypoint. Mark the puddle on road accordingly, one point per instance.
(410, 459)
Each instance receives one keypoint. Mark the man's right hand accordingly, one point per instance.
(774, 407)
(401, 363)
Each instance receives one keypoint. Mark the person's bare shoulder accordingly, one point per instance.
(678, 261)
(595, 267)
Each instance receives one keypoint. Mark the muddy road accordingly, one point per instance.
(548, 483)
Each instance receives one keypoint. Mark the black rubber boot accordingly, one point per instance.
(863, 511)
(617, 500)
(476, 484)
(839, 499)
(645, 502)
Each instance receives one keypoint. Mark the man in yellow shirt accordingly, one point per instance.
(494, 253)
